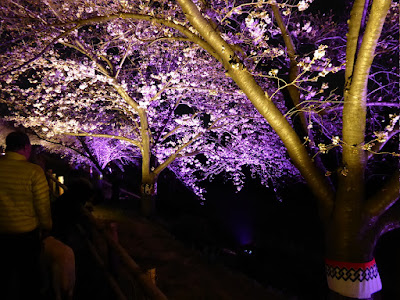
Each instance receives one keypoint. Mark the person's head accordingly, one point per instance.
(19, 142)
(81, 190)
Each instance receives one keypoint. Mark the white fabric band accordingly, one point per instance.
(355, 280)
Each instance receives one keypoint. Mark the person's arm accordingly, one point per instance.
(41, 200)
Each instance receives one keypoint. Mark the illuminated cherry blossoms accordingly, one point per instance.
(133, 96)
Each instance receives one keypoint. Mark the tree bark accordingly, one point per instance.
(148, 192)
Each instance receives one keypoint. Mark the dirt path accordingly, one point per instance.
(181, 273)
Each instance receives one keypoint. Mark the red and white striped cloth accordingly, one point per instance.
(355, 280)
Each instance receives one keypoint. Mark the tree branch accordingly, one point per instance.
(390, 220)
(108, 136)
(352, 37)
(264, 105)
(172, 157)
(378, 146)
(92, 158)
(60, 144)
(351, 186)
(294, 69)
(171, 24)
(41, 52)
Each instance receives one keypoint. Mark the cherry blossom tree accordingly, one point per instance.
(353, 220)
(131, 94)
(345, 130)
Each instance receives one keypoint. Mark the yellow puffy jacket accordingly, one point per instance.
(24, 195)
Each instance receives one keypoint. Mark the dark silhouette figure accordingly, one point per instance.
(67, 209)
(116, 180)
(24, 216)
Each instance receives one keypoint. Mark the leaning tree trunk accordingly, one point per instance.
(148, 192)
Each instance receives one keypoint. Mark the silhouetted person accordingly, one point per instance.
(24, 215)
(116, 180)
(67, 209)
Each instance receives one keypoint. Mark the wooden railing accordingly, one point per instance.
(133, 282)
(124, 276)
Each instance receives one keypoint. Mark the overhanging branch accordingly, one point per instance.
(265, 106)
(108, 136)
(37, 56)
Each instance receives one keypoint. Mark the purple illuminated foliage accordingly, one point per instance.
(105, 80)
(76, 81)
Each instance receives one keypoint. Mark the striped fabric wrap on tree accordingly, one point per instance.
(355, 280)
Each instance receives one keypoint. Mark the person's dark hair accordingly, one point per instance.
(16, 141)
(80, 189)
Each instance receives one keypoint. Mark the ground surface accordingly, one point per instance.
(181, 273)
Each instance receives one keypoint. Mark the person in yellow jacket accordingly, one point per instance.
(25, 215)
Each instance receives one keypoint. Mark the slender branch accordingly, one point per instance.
(378, 146)
(92, 158)
(172, 157)
(382, 104)
(29, 12)
(7, 42)
(167, 84)
(122, 61)
(108, 136)
(177, 127)
(50, 5)
(110, 65)
(99, 19)
(120, 90)
(60, 144)
(180, 28)
(164, 38)
(82, 50)
(265, 106)
(294, 70)
(190, 154)
(53, 41)
(157, 138)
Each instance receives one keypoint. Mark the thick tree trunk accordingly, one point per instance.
(351, 230)
(148, 191)
(351, 241)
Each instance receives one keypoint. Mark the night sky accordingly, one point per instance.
(337, 6)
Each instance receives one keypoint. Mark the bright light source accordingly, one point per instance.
(60, 189)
